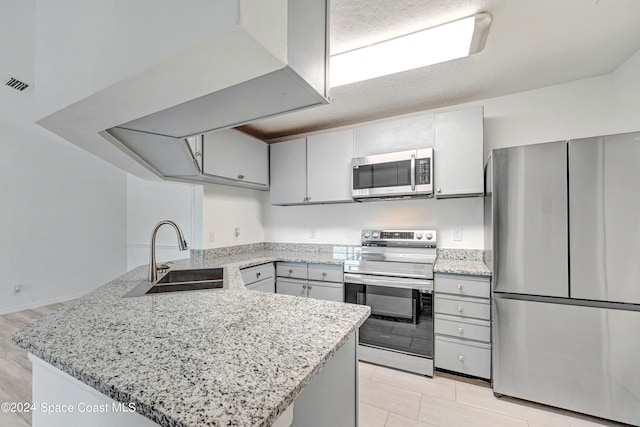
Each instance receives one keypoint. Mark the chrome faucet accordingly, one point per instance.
(153, 268)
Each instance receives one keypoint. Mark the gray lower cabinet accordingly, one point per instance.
(319, 281)
(462, 324)
(260, 277)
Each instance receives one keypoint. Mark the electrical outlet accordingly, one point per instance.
(312, 233)
(457, 234)
(236, 233)
(212, 236)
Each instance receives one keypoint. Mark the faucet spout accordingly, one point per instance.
(182, 244)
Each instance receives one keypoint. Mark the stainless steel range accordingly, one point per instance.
(394, 276)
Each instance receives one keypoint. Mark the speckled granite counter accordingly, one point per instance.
(461, 261)
(229, 357)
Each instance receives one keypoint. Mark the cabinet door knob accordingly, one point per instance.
(309, 286)
(461, 330)
(460, 287)
(304, 286)
(240, 176)
(324, 274)
(461, 357)
(290, 271)
(460, 308)
(438, 190)
(257, 275)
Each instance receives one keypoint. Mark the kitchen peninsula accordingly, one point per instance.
(229, 357)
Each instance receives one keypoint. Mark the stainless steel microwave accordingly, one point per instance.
(393, 175)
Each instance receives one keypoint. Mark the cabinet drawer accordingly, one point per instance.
(462, 285)
(259, 272)
(462, 306)
(463, 356)
(264, 285)
(326, 273)
(462, 327)
(296, 270)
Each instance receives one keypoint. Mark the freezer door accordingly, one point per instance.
(530, 246)
(604, 174)
(584, 359)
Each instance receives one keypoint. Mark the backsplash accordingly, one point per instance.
(461, 254)
(207, 254)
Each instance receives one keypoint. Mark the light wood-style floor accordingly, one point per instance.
(388, 398)
(391, 398)
(15, 368)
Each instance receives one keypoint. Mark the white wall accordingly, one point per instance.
(342, 223)
(62, 220)
(149, 202)
(596, 106)
(226, 208)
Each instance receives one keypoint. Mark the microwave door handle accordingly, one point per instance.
(413, 172)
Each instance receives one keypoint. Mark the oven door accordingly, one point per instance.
(401, 312)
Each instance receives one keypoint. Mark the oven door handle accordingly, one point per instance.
(424, 286)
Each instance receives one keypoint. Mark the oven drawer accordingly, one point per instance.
(466, 357)
(462, 306)
(297, 270)
(326, 273)
(462, 327)
(259, 272)
(462, 285)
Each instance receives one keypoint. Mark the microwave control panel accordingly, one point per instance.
(423, 171)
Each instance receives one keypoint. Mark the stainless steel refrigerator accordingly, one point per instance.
(563, 240)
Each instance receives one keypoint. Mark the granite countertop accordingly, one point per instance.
(461, 261)
(231, 357)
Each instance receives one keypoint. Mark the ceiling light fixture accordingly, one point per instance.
(445, 42)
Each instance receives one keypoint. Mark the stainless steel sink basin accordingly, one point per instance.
(181, 276)
(183, 280)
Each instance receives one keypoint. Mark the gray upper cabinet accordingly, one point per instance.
(408, 133)
(236, 159)
(316, 169)
(329, 167)
(458, 153)
(288, 162)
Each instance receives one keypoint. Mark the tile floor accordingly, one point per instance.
(388, 398)
(391, 398)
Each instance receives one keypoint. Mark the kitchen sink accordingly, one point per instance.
(182, 280)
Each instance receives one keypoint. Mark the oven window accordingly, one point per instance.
(381, 175)
(401, 319)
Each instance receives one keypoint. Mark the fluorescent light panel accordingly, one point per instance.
(445, 42)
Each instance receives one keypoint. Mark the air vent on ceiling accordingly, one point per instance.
(16, 84)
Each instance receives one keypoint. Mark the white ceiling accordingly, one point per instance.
(531, 44)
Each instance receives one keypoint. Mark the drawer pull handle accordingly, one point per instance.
(461, 330)
(460, 287)
(461, 357)
(460, 309)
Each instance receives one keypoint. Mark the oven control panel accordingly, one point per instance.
(419, 238)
